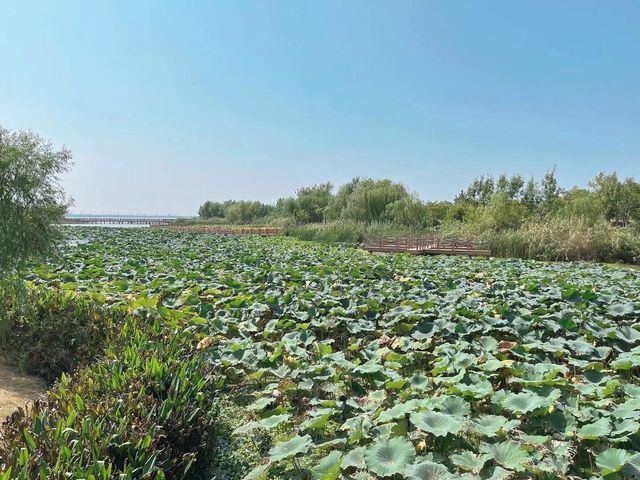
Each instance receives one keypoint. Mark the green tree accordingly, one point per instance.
(531, 194)
(478, 192)
(246, 212)
(211, 210)
(503, 213)
(581, 203)
(339, 201)
(630, 201)
(439, 211)
(370, 198)
(550, 189)
(311, 202)
(409, 211)
(31, 198)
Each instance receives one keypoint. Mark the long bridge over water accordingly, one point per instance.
(156, 222)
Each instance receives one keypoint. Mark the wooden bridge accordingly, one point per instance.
(427, 245)
(118, 221)
(225, 230)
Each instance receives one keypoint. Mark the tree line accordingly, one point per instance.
(505, 202)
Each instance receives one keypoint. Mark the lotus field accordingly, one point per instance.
(328, 362)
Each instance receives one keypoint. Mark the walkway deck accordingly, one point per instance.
(428, 245)
(118, 221)
(225, 230)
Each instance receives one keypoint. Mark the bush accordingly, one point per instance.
(346, 231)
(565, 240)
(47, 333)
(143, 409)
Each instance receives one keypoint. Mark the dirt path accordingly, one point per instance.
(16, 389)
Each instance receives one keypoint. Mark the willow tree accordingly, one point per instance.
(32, 200)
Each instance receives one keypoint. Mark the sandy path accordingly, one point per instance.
(16, 389)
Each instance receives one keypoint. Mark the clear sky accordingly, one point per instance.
(166, 104)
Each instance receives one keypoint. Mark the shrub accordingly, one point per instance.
(565, 240)
(346, 231)
(144, 409)
(47, 333)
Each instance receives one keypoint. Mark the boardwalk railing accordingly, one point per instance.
(427, 245)
(224, 230)
(117, 221)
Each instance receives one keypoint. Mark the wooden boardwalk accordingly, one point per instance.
(225, 230)
(427, 245)
(156, 222)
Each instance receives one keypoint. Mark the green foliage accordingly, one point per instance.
(408, 212)
(142, 409)
(612, 460)
(308, 206)
(235, 211)
(31, 199)
(36, 327)
(347, 364)
(619, 201)
(210, 210)
(390, 457)
(566, 239)
(479, 191)
(502, 213)
(369, 200)
(523, 219)
(344, 231)
(245, 212)
(296, 446)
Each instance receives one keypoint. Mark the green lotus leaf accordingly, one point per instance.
(628, 409)
(428, 471)
(626, 361)
(490, 425)
(397, 411)
(355, 459)
(628, 334)
(595, 430)
(632, 390)
(372, 366)
(329, 467)
(246, 428)
(438, 424)
(259, 472)
(507, 454)
(612, 460)
(500, 473)
(523, 402)
(470, 461)
(318, 420)
(362, 476)
(535, 439)
(473, 385)
(620, 309)
(273, 421)
(625, 427)
(390, 457)
(260, 404)
(419, 382)
(297, 445)
(455, 406)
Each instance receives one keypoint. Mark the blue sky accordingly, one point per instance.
(166, 104)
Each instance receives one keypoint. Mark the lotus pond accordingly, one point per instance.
(330, 362)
